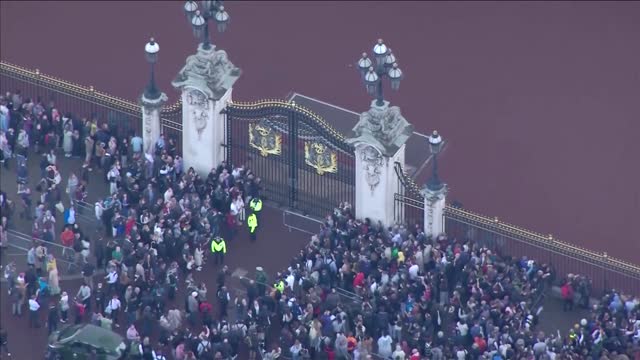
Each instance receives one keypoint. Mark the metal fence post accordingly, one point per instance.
(293, 157)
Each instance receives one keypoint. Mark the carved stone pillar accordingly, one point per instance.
(206, 83)
(380, 138)
(151, 125)
(434, 203)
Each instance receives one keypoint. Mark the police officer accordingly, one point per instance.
(256, 205)
(252, 223)
(218, 248)
(279, 285)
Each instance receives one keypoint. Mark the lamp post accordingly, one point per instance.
(199, 19)
(386, 65)
(435, 146)
(151, 50)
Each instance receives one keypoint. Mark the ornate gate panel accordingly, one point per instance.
(408, 201)
(304, 164)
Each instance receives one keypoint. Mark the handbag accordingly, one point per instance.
(108, 310)
(60, 206)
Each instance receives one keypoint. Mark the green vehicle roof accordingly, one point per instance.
(94, 336)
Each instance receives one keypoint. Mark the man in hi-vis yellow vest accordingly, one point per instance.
(256, 206)
(252, 223)
(218, 248)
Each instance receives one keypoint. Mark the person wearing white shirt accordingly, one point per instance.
(463, 328)
(168, 195)
(112, 280)
(132, 333)
(114, 308)
(99, 210)
(86, 246)
(71, 220)
(290, 280)
(84, 293)
(34, 306)
(237, 208)
(113, 176)
(413, 271)
(384, 346)
(236, 172)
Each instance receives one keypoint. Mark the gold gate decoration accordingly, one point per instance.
(319, 157)
(265, 139)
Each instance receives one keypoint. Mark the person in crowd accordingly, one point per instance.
(63, 304)
(67, 142)
(53, 318)
(34, 314)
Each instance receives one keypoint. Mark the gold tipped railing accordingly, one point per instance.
(544, 241)
(88, 93)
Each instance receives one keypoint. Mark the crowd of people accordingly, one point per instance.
(358, 290)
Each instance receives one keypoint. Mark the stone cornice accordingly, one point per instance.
(209, 71)
(382, 127)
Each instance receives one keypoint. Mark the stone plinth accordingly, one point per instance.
(151, 125)
(381, 134)
(434, 203)
(206, 83)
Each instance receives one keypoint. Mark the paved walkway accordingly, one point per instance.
(273, 251)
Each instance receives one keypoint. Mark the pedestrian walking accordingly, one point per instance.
(252, 223)
(72, 186)
(84, 296)
(113, 309)
(52, 319)
(567, 296)
(112, 279)
(88, 270)
(63, 303)
(34, 306)
(224, 298)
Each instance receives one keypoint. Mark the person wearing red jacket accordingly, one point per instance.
(67, 238)
(129, 225)
(359, 280)
(331, 354)
(567, 296)
(415, 355)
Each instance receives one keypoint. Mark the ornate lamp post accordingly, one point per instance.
(372, 75)
(151, 50)
(199, 19)
(435, 146)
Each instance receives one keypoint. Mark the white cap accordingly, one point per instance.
(194, 294)
(259, 268)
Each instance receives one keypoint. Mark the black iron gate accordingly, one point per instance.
(304, 164)
(408, 202)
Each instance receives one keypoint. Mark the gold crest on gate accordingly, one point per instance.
(319, 157)
(265, 139)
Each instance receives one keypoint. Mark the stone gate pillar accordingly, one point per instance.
(151, 125)
(206, 82)
(379, 141)
(434, 203)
